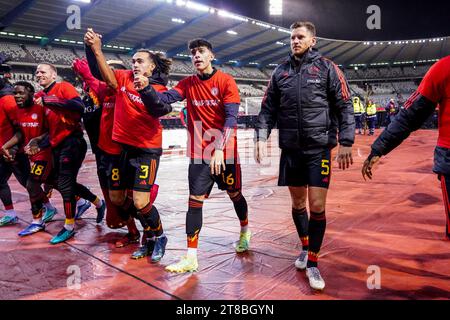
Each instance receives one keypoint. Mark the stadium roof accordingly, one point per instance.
(168, 25)
(347, 19)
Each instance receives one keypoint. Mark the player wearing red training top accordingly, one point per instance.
(108, 153)
(137, 129)
(433, 91)
(63, 110)
(20, 165)
(213, 101)
(32, 124)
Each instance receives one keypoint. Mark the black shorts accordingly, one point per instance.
(298, 169)
(201, 181)
(108, 170)
(69, 155)
(41, 171)
(91, 121)
(139, 168)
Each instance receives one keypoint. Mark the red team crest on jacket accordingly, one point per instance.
(214, 91)
(314, 70)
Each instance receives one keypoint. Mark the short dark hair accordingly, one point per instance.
(52, 66)
(25, 84)
(308, 25)
(196, 43)
(162, 63)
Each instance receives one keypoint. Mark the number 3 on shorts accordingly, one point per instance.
(144, 171)
(326, 167)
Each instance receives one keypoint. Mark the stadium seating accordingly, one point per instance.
(108, 55)
(380, 92)
(15, 52)
(52, 55)
(182, 67)
(407, 87)
(247, 90)
(32, 53)
(386, 73)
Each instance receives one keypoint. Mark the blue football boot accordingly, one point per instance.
(62, 236)
(159, 249)
(8, 221)
(32, 228)
(82, 209)
(101, 212)
(49, 214)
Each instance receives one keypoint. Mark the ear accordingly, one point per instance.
(153, 66)
(313, 41)
(212, 56)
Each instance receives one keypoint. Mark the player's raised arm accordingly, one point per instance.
(93, 41)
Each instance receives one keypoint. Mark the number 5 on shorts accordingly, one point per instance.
(326, 167)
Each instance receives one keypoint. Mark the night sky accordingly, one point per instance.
(346, 19)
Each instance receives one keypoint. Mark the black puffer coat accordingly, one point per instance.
(309, 104)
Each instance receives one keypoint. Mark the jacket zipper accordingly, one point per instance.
(299, 110)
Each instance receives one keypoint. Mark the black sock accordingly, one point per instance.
(84, 193)
(317, 225)
(36, 195)
(241, 208)
(5, 195)
(300, 217)
(194, 219)
(151, 216)
(70, 208)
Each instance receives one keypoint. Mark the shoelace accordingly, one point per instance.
(316, 274)
(186, 261)
(243, 237)
(303, 255)
(182, 263)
